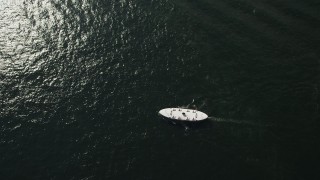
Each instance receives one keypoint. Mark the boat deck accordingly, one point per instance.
(183, 114)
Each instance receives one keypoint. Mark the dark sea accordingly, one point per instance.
(82, 81)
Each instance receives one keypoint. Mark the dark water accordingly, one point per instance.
(81, 83)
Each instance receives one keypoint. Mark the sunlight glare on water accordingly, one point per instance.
(81, 83)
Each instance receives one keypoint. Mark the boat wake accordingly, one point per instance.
(234, 121)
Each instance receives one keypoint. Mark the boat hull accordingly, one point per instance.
(181, 114)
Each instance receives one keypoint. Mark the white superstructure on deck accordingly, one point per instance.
(183, 114)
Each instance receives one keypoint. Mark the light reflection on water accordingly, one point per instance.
(81, 82)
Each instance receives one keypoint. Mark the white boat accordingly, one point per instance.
(182, 114)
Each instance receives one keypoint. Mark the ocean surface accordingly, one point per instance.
(82, 81)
